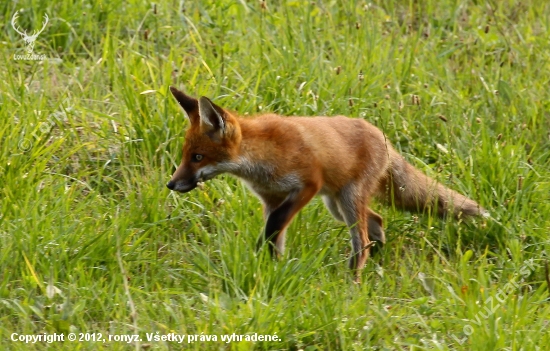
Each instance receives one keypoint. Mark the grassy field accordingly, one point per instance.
(92, 242)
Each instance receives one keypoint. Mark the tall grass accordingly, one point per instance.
(91, 241)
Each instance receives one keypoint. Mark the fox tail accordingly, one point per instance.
(410, 189)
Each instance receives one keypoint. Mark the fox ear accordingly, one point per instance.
(189, 104)
(212, 119)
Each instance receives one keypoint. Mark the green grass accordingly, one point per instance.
(91, 241)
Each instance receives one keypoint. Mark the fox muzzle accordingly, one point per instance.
(181, 186)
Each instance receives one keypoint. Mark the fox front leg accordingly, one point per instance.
(279, 218)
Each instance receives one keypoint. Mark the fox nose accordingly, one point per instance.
(171, 185)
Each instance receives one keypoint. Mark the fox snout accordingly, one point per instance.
(183, 180)
(181, 186)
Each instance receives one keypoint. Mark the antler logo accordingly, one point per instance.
(29, 39)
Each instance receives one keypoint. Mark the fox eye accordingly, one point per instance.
(197, 158)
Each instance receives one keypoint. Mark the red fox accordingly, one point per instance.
(286, 161)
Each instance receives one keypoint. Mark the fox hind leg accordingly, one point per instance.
(332, 206)
(352, 205)
(374, 222)
(375, 230)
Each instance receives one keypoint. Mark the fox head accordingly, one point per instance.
(211, 142)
